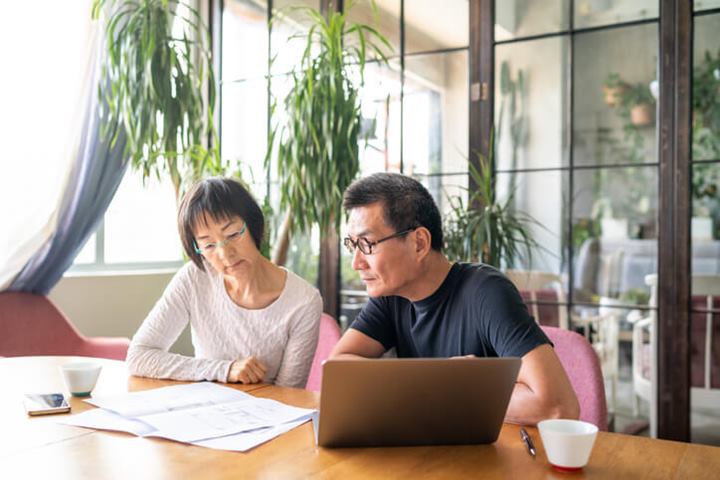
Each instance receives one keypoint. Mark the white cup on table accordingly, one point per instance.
(80, 377)
(568, 443)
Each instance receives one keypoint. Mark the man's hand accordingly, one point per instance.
(247, 370)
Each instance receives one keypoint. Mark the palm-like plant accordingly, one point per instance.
(487, 230)
(153, 87)
(317, 146)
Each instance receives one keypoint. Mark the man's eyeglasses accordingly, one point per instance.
(211, 248)
(366, 246)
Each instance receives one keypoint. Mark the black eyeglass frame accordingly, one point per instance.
(366, 246)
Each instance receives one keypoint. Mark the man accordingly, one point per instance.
(424, 306)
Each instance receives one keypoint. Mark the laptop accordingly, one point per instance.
(414, 401)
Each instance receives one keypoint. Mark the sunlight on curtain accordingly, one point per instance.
(46, 52)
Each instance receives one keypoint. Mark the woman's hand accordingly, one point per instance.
(246, 370)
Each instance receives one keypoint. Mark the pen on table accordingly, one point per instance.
(527, 441)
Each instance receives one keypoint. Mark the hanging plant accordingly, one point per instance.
(158, 64)
(638, 104)
(613, 89)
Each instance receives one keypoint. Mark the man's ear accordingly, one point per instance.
(423, 241)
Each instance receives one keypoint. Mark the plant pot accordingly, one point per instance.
(613, 94)
(642, 115)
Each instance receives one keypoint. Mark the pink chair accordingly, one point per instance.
(582, 366)
(32, 325)
(329, 336)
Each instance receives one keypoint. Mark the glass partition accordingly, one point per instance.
(617, 208)
(705, 228)
(531, 98)
(244, 40)
(616, 87)
(244, 127)
(515, 19)
(594, 13)
(385, 18)
(576, 141)
(380, 128)
(530, 193)
(286, 46)
(431, 25)
(435, 114)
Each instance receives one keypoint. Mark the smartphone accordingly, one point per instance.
(46, 403)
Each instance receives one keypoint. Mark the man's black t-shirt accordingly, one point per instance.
(476, 310)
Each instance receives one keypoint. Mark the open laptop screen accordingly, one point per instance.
(414, 401)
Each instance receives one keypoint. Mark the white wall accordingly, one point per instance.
(113, 304)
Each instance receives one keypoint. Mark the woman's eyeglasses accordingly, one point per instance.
(210, 248)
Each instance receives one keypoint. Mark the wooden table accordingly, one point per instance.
(39, 448)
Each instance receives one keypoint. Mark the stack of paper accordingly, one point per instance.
(204, 414)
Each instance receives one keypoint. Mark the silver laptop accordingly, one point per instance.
(414, 401)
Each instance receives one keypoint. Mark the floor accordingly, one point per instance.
(704, 423)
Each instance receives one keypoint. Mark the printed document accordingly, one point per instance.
(203, 414)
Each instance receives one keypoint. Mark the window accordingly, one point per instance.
(139, 229)
(414, 109)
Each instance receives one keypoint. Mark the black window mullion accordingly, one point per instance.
(481, 71)
(268, 124)
(569, 128)
(672, 389)
(572, 30)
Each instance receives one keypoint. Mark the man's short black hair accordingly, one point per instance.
(406, 203)
(220, 199)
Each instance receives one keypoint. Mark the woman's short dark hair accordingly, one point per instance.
(220, 199)
(406, 203)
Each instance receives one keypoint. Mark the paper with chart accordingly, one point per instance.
(204, 414)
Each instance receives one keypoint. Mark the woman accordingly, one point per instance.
(251, 321)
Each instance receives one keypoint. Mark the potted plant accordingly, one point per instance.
(640, 103)
(635, 105)
(317, 144)
(154, 88)
(613, 89)
(486, 229)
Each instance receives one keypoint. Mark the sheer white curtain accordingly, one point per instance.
(46, 49)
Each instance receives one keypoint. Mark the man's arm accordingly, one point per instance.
(543, 390)
(355, 344)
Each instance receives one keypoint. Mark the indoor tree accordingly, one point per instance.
(316, 146)
(158, 65)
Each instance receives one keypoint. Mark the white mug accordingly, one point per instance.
(80, 377)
